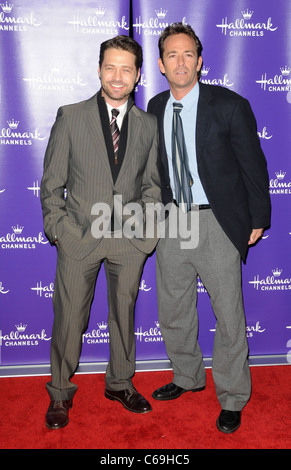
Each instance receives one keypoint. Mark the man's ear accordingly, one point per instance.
(137, 76)
(161, 66)
(199, 63)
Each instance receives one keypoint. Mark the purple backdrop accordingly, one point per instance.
(49, 57)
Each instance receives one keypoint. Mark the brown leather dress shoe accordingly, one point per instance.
(130, 399)
(57, 415)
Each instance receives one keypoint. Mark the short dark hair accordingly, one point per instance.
(124, 43)
(180, 28)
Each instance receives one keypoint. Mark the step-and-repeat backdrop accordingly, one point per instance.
(49, 57)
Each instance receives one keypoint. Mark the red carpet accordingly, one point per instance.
(185, 423)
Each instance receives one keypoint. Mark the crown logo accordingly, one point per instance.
(102, 326)
(100, 11)
(21, 327)
(7, 8)
(285, 71)
(17, 229)
(277, 272)
(280, 174)
(204, 71)
(247, 14)
(157, 324)
(13, 124)
(161, 13)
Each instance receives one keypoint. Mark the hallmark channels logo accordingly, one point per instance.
(11, 135)
(22, 337)
(280, 185)
(154, 25)
(55, 80)
(99, 335)
(251, 329)
(35, 188)
(254, 329)
(274, 282)
(152, 335)
(10, 21)
(223, 81)
(99, 23)
(263, 134)
(16, 239)
(43, 290)
(246, 25)
(2, 289)
(279, 82)
(200, 286)
(144, 287)
(142, 82)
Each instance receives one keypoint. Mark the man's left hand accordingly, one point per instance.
(255, 235)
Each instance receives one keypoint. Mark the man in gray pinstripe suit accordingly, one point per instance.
(80, 159)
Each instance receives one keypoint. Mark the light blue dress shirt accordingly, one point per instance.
(188, 116)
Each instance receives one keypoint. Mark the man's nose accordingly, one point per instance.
(117, 74)
(180, 60)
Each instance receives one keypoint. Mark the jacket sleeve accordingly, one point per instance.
(55, 174)
(151, 187)
(253, 166)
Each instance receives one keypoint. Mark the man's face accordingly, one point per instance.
(118, 75)
(180, 63)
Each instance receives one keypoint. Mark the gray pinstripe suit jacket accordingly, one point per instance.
(76, 159)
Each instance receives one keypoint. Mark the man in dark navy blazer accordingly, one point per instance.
(229, 189)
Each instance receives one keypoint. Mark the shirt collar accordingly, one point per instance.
(122, 110)
(188, 100)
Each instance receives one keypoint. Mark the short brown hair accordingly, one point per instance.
(124, 43)
(180, 28)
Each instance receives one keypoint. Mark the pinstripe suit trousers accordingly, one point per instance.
(73, 295)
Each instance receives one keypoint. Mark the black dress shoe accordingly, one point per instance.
(172, 391)
(228, 421)
(57, 415)
(130, 399)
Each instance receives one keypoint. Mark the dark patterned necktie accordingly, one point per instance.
(182, 177)
(115, 133)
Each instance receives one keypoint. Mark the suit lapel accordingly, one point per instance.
(94, 125)
(134, 129)
(160, 116)
(204, 115)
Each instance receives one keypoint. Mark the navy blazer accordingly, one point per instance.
(231, 164)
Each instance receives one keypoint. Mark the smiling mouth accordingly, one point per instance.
(116, 86)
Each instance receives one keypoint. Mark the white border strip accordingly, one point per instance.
(141, 366)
